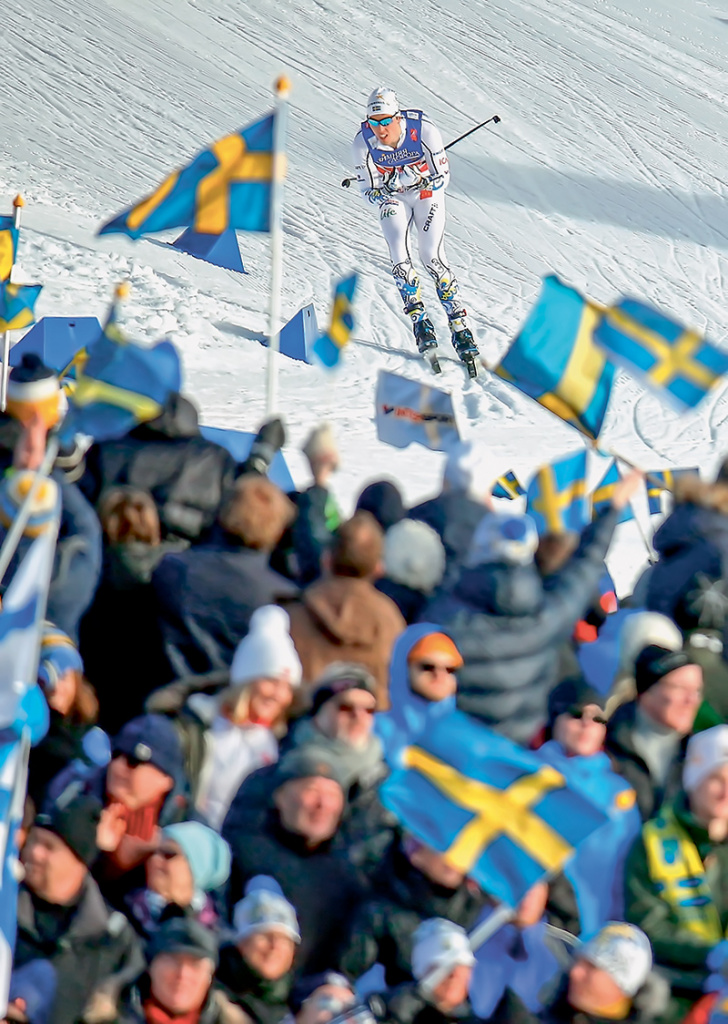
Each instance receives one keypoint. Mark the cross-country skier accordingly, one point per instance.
(402, 167)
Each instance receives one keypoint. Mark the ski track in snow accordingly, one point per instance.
(608, 168)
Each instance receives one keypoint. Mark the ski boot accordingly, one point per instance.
(463, 342)
(425, 336)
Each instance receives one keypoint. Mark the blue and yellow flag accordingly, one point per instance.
(508, 486)
(328, 345)
(226, 186)
(497, 812)
(676, 362)
(603, 492)
(8, 246)
(554, 359)
(659, 480)
(556, 497)
(17, 304)
(119, 384)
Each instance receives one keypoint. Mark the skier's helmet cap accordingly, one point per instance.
(382, 102)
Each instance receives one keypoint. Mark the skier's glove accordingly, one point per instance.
(378, 195)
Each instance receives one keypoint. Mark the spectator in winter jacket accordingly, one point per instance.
(684, 850)
(248, 717)
(508, 629)
(692, 542)
(646, 737)
(343, 617)
(422, 684)
(62, 916)
(73, 710)
(577, 724)
(257, 969)
(189, 865)
(414, 882)
(318, 515)
(297, 841)
(414, 564)
(467, 483)
(609, 980)
(178, 985)
(208, 593)
(384, 500)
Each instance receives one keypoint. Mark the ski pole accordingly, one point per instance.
(495, 119)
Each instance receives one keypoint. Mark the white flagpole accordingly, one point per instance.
(18, 205)
(283, 89)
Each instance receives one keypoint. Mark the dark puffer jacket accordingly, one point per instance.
(264, 1001)
(509, 631)
(453, 516)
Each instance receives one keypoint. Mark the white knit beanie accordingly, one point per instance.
(439, 942)
(321, 441)
(624, 952)
(705, 752)
(414, 555)
(267, 651)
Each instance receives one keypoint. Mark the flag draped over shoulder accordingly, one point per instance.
(556, 497)
(408, 411)
(508, 486)
(660, 480)
(228, 185)
(677, 362)
(8, 246)
(328, 345)
(17, 305)
(602, 494)
(494, 809)
(23, 716)
(554, 359)
(119, 384)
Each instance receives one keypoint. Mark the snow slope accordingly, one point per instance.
(608, 168)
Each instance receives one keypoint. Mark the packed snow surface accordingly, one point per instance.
(608, 168)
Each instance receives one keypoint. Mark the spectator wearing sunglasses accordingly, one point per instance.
(422, 684)
(647, 737)
(577, 724)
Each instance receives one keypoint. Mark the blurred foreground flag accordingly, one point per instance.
(17, 305)
(603, 492)
(225, 186)
(555, 361)
(508, 486)
(408, 411)
(328, 345)
(119, 384)
(8, 246)
(494, 809)
(556, 497)
(660, 480)
(676, 362)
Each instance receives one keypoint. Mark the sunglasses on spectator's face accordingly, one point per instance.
(580, 713)
(353, 709)
(380, 122)
(427, 666)
(167, 854)
(132, 761)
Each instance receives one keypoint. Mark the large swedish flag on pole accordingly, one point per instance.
(675, 361)
(495, 811)
(8, 246)
(226, 186)
(554, 359)
(556, 497)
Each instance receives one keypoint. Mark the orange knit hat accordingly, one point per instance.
(435, 643)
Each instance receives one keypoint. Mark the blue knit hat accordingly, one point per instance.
(206, 852)
(58, 655)
(152, 739)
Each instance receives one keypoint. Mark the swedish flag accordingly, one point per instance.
(669, 357)
(508, 486)
(604, 491)
(17, 304)
(556, 497)
(328, 346)
(555, 361)
(497, 812)
(660, 480)
(119, 384)
(228, 185)
(8, 246)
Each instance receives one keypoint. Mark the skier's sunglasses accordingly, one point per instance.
(380, 122)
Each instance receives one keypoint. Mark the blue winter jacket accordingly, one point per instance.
(596, 872)
(509, 630)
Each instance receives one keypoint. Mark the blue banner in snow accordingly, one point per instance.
(407, 411)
